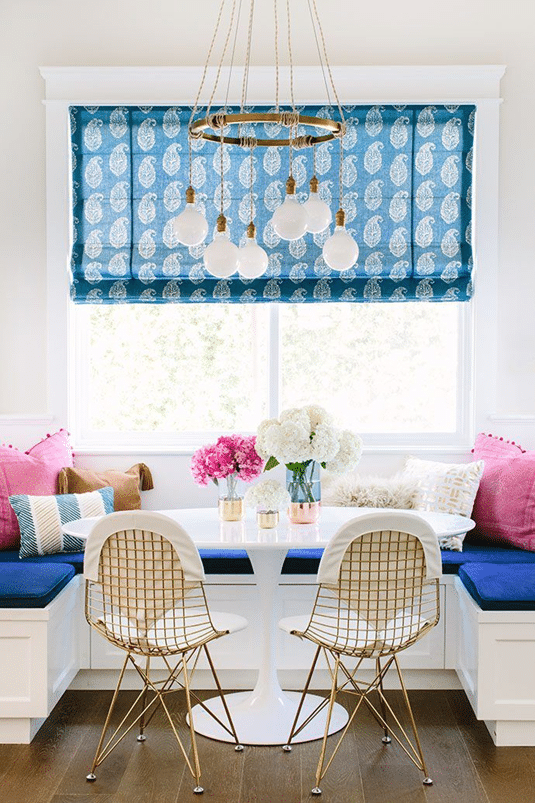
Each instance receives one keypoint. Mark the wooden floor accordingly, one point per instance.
(465, 765)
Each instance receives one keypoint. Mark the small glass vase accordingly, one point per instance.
(267, 519)
(304, 486)
(231, 506)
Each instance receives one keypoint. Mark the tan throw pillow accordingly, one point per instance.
(126, 484)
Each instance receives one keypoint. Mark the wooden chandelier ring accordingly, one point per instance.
(198, 129)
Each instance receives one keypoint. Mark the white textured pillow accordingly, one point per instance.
(445, 488)
(353, 490)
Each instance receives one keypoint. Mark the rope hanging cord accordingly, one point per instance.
(210, 127)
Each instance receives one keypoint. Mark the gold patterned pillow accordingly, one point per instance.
(444, 487)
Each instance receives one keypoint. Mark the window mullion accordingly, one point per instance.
(274, 370)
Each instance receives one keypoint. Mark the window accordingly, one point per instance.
(177, 374)
(93, 86)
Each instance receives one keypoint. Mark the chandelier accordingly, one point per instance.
(287, 128)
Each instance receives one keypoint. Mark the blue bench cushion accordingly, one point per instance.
(74, 559)
(298, 561)
(477, 553)
(32, 585)
(215, 561)
(500, 587)
(236, 561)
(306, 561)
(225, 561)
(302, 561)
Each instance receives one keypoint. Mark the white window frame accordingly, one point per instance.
(189, 441)
(479, 85)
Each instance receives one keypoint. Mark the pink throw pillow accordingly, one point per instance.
(504, 508)
(33, 472)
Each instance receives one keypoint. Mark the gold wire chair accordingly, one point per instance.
(377, 595)
(145, 594)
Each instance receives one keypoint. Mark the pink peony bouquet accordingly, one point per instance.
(231, 454)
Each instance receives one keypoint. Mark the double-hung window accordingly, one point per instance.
(179, 373)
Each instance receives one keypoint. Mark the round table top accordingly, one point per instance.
(209, 532)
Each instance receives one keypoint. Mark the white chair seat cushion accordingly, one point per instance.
(169, 633)
(346, 631)
(403, 627)
(293, 624)
(353, 633)
(231, 622)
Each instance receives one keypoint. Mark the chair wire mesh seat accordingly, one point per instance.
(378, 594)
(145, 594)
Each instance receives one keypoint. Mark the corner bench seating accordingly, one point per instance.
(41, 615)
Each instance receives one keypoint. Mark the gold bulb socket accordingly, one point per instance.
(314, 184)
(221, 223)
(340, 218)
(190, 195)
(251, 230)
(290, 185)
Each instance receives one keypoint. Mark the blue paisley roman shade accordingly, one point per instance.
(407, 197)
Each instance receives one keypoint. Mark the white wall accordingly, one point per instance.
(167, 32)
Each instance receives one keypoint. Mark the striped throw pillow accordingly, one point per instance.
(41, 518)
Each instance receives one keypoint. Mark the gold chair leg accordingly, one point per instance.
(287, 747)
(91, 775)
(197, 773)
(141, 737)
(238, 747)
(427, 780)
(332, 698)
(386, 738)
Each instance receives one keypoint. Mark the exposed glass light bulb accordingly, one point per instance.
(221, 257)
(191, 226)
(253, 260)
(319, 215)
(340, 251)
(290, 218)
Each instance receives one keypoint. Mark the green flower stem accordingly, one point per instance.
(301, 481)
(232, 483)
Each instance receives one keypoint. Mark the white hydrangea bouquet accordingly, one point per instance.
(303, 439)
(268, 497)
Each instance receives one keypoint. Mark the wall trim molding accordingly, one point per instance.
(40, 418)
(354, 84)
(512, 418)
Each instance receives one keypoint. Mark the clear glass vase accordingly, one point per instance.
(304, 486)
(231, 506)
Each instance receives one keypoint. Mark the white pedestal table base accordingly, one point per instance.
(258, 722)
(266, 714)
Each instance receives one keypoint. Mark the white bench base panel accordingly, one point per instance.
(496, 666)
(21, 730)
(490, 654)
(40, 655)
(512, 733)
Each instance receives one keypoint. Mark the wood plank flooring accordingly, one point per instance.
(465, 765)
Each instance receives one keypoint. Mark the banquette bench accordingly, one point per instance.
(488, 611)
